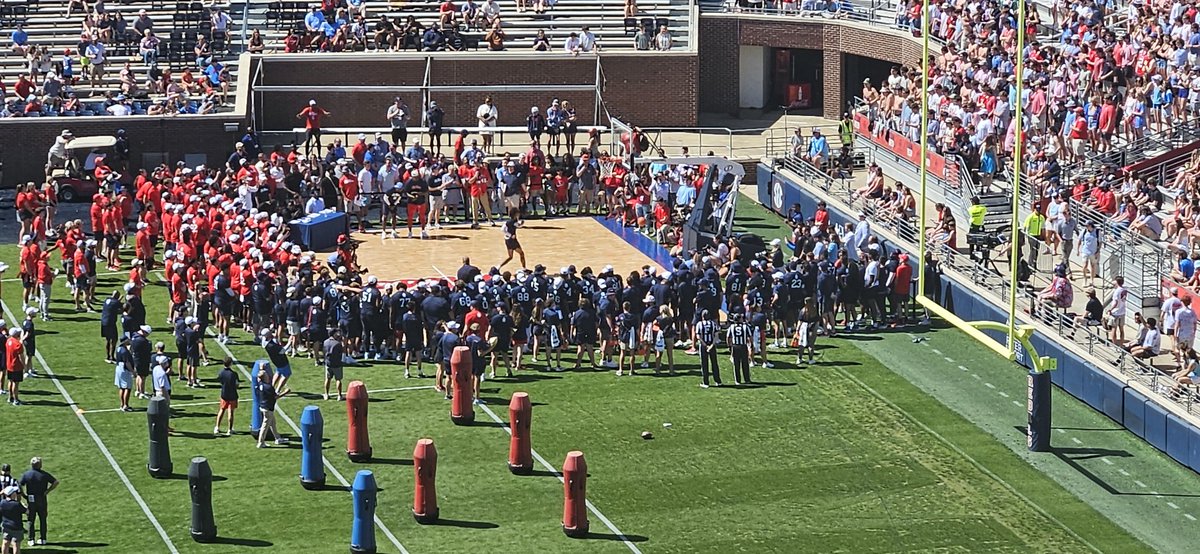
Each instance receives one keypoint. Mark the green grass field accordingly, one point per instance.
(846, 456)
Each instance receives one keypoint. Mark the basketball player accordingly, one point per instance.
(510, 237)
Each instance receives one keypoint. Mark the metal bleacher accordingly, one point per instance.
(605, 19)
(177, 24)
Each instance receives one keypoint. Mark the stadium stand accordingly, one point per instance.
(189, 38)
(605, 19)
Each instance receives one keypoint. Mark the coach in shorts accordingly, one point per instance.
(12, 518)
(334, 353)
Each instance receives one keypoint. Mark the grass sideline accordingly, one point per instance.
(811, 461)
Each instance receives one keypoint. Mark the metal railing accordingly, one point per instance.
(994, 281)
(752, 143)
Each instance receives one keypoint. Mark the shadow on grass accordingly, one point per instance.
(390, 461)
(251, 543)
(374, 400)
(487, 423)
(763, 385)
(543, 473)
(62, 377)
(76, 544)
(525, 377)
(183, 476)
(465, 524)
(44, 403)
(1071, 456)
(612, 537)
(329, 487)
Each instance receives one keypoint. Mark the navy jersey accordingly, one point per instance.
(523, 297)
(735, 283)
(501, 326)
(414, 331)
(370, 301)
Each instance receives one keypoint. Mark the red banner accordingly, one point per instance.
(907, 149)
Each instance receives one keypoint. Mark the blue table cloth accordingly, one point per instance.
(319, 231)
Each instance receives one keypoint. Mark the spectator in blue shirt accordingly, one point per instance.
(685, 196)
(415, 153)
(431, 41)
(818, 149)
(20, 40)
(314, 20)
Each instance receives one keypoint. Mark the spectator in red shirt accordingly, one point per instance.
(14, 351)
(30, 254)
(312, 125)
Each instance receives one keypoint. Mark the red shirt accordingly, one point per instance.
(1079, 128)
(349, 185)
(476, 316)
(15, 351)
(81, 264)
(29, 258)
(312, 116)
(903, 280)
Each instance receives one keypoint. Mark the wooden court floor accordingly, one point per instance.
(554, 243)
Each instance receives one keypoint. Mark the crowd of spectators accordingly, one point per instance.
(64, 82)
(467, 181)
(337, 26)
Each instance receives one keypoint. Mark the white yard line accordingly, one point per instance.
(100, 443)
(329, 466)
(1002, 393)
(591, 507)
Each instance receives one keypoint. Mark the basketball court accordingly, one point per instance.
(554, 243)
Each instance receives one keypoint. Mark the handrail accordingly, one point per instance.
(245, 22)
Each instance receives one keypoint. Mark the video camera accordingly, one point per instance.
(983, 240)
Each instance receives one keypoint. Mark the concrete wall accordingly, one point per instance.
(722, 35)
(652, 90)
(27, 140)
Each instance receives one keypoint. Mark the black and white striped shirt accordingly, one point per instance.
(7, 481)
(707, 331)
(740, 334)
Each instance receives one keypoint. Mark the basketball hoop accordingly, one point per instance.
(607, 166)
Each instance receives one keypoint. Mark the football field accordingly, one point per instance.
(882, 446)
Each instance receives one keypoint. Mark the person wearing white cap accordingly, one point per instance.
(142, 353)
(14, 350)
(123, 374)
(12, 518)
(312, 114)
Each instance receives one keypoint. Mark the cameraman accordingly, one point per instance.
(976, 213)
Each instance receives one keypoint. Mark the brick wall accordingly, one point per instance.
(722, 35)
(648, 90)
(28, 140)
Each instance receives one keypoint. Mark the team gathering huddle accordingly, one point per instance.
(228, 262)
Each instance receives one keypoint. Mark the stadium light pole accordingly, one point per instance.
(924, 138)
(1018, 151)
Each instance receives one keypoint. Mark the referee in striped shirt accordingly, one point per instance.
(6, 478)
(707, 335)
(739, 336)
